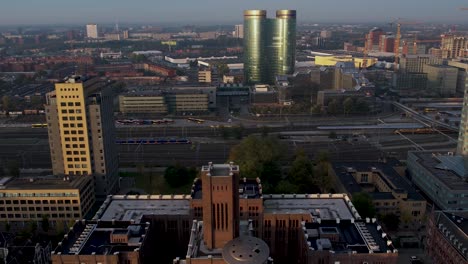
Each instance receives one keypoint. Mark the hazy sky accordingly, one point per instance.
(202, 11)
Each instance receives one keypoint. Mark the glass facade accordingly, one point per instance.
(269, 45)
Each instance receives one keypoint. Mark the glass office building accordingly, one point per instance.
(269, 45)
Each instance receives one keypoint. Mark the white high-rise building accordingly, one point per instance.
(92, 31)
(238, 31)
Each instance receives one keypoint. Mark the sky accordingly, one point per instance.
(225, 11)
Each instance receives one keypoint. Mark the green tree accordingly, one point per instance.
(285, 187)
(177, 175)
(391, 221)
(271, 172)
(348, 105)
(253, 152)
(6, 103)
(265, 130)
(316, 109)
(224, 131)
(238, 131)
(45, 225)
(332, 107)
(223, 69)
(332, 135)
(322, 179)
(13, 168)
(362, 106)
(33, 227)
(301, 172)
(363, 204)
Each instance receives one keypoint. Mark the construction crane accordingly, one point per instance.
(416, 41)
(398, 39)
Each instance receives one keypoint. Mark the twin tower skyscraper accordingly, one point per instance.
(269, 45)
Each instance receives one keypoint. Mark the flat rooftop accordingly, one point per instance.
(248, 189)
(323, 206)
(386, 171)
(43, 182)
(447, 175)
(220, 170)
(349, 237)
(134, 207)
(456, 223)
(88, 237)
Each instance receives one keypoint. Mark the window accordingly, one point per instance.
(63, 104)
(77, 104)
(70, 104)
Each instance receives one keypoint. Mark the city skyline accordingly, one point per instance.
(205, 11)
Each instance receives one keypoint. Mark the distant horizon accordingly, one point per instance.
(56, 12)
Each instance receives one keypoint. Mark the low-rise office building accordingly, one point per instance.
(60, 199)
(142, 103)
(442, 178)
(390, 192)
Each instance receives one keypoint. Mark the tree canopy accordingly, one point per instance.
(177, 175)
(363, 204)
(259, 157)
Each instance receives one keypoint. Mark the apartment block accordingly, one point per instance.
(60, 199)
(454, 46)
(82, 133)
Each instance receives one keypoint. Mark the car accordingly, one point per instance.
(415, 260)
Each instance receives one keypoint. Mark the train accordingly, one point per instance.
(196, 120)
(39, 125)
(426, 130)
(144, 122)
(152, 141)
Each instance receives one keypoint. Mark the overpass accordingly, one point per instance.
(422, 118)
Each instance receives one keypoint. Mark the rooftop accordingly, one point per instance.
(95, 237)
(454, 226)
(348, 237)
(43, 182)
(134, 207)
(220, 170)
(323, 206)
(446, 175)
(248, 189)
(344, 170)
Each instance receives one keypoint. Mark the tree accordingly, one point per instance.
(271, 172)
(316, 109)
(285, 187)
(13, 168)
(45, 225)
(363, 204)
(391, 221)
(301, 173)
(348, 105)
(238, 131)
(224, 131)
(223, 69)
(332, 107)
(6, 102)
(177, 175)
(265, 130)
(362, 106)
(322, 179)
(332, 135)
(253, 152)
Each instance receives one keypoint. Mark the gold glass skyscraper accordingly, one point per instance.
(269, 45)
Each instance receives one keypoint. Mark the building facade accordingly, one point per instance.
(269, 45)
(92, 31)
(132, 104)
(447, 237)
(454, 46)
(390, 193)
(82, 133)
(441, 177)
(442, 79)
(238, 31)
(59, 199)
